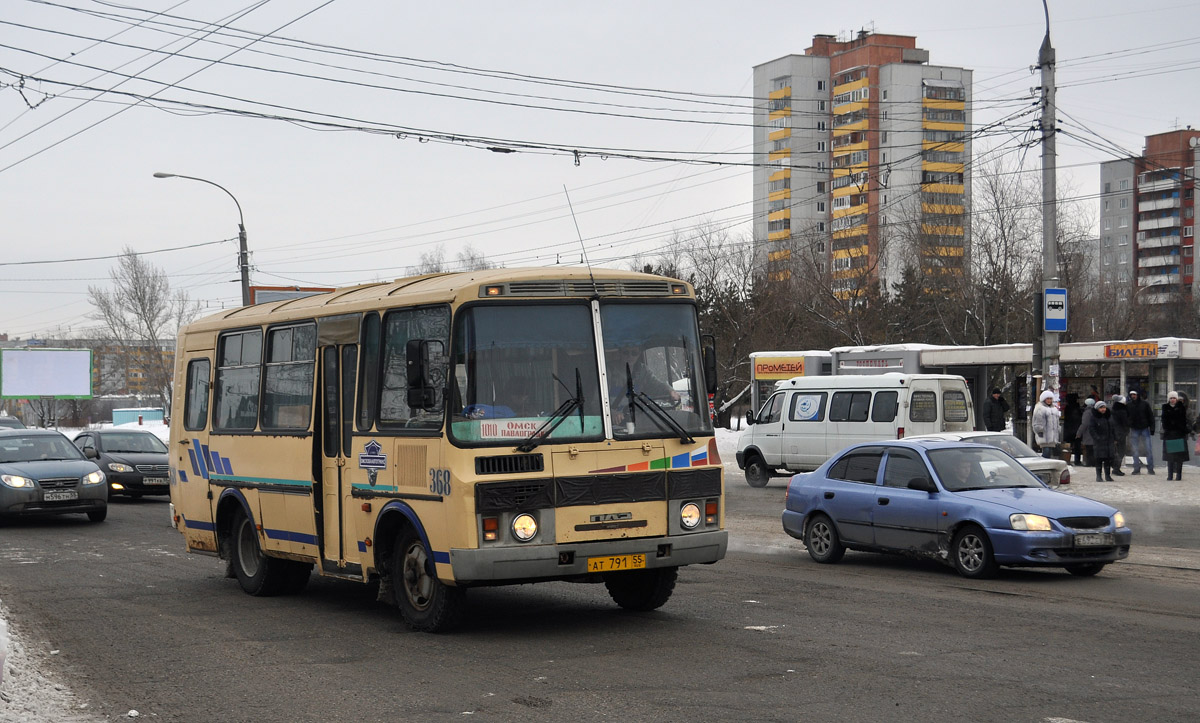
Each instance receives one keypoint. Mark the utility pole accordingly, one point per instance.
(1045, 358)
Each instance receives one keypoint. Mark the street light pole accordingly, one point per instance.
(243, 253)
(1047, 359)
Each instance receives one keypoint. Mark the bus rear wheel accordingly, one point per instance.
(642, 590)
(258, 574)
(425, 602)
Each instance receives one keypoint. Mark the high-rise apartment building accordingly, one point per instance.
(1151, 201)
(862, 162)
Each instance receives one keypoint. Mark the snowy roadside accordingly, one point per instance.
(29, 693)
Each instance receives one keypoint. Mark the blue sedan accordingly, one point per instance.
(970, 506)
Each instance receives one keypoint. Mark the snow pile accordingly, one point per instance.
(29, 694)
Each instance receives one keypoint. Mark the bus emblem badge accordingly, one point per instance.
(611, 517)
(372, 461)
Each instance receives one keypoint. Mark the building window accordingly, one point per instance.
(1187, 269)
(781, 82)
(1125, 184)
(1108, 186)
(820, 125)
(1187, 231)
(820, 165)
(883, 137)
(820, 145)
(1107, 206)
(884, 158)
(820, 187)
(1124, 239)
(821, 226)
(820, 206)
(885, 95)
(820, 105)
(1108, 224)
(1124, 222)
(820, 85)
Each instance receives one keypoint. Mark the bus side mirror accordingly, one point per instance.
(421, 395)
(709, 354)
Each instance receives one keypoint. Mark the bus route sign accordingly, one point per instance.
(1055, 309)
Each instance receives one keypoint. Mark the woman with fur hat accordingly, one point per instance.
(1175, 433)
(1103, 436)
(1046, 430)
(1085, 433)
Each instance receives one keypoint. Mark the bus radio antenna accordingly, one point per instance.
(581, 244)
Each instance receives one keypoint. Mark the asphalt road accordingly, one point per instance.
(766, 634)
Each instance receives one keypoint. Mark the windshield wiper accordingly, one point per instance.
(558, 416)
(641, 398)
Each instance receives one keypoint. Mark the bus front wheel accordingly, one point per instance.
(425, 602)
(642, 589)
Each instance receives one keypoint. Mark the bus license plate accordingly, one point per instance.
(154, 480)
(59, 495)
(1096, 539)
(612, 563)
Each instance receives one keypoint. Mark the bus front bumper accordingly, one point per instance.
(529, 562)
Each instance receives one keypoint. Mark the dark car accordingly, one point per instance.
(7, 422)
(134, 460)
(971, 506)
(41, 473)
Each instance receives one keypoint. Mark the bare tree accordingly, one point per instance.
(471, 259)
(140, 315)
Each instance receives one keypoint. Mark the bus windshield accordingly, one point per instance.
(526, 372)
(514, 366)
(652, 357)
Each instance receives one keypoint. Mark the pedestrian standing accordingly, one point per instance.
(1102, 434)
(1072, 418)
(1175, 435)
(994, 411)
(1141, 429)
(1084, 433)
(1046, 429)
(1119, 412)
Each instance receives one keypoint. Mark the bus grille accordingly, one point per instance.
(510, 464)
(513, 496)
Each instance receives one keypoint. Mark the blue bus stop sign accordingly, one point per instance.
(1055, 311)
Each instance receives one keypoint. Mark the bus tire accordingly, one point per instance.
(258, 574)
(427, 604)
(757, 472)
(642, 590)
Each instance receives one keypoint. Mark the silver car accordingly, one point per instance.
(1052, 472)
(42, 473)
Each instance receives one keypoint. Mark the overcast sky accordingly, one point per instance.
(355, 135)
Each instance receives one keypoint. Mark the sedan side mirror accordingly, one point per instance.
(922, 483)
(90, 452)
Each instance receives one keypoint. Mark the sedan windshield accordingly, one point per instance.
(1006, 442)
(35, 448)
(961, 469)
(132, 442)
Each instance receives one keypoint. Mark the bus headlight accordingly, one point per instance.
(524, 527)
(689, 516)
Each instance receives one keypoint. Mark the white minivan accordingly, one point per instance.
(807, 420)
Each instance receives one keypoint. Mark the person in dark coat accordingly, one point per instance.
(1141, 429)
(1085, 434)
(1175, 427)
(994, 411)
(1101, 430)
(1072, 417)
(1120, 416)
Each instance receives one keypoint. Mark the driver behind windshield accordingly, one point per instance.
(626, 363)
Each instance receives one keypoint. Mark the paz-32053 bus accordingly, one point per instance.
(453, 430)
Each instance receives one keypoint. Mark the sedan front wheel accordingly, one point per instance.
(971, 553)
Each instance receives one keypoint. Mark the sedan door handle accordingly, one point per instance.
(828, 495)
(884, 500)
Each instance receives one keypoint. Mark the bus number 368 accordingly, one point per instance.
(439, 482)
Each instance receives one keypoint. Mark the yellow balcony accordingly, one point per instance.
(781, 93)
(850, 253)
(850, 128)
(850, 107)
(779, 215)
(786, 193)
(943, 126)
(939, 208)
(851, 189)
(781, 113)
(941, 188)
(778, 235)
(782, 174)
(943, 167)
(847, 87)
(950, 146)
(849, 148)
(779, 275)
(781, 153)
(946, 251)
(780, 255)
(851, 232)
(852, 211)
(932, 230)
(944, 104)
(780, 134)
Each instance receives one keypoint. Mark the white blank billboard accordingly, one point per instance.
(33, 373)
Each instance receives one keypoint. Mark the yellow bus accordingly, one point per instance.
(446, 431)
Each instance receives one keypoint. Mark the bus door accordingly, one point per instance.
(337, 344)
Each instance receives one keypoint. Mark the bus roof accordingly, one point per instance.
(527, 283)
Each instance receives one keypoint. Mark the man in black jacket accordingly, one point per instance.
(1120, 424)
(1141, 429)
(994, 411)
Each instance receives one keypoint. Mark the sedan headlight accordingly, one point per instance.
(689, 516)
(93, 478)
(118, 467)
(524, 527)
(1029, 523)
(13, 480)
(1118, 519)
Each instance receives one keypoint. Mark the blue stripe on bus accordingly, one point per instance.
(290, 536)
(201, 454)
(226, 465)
(182, 476)
(198, 525)
(682, 460)
(214, 460)
(195, 468)
(443, 557)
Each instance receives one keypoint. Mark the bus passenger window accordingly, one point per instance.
(368, 376)
(236, 398)
(195, 404)
(288, 386)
